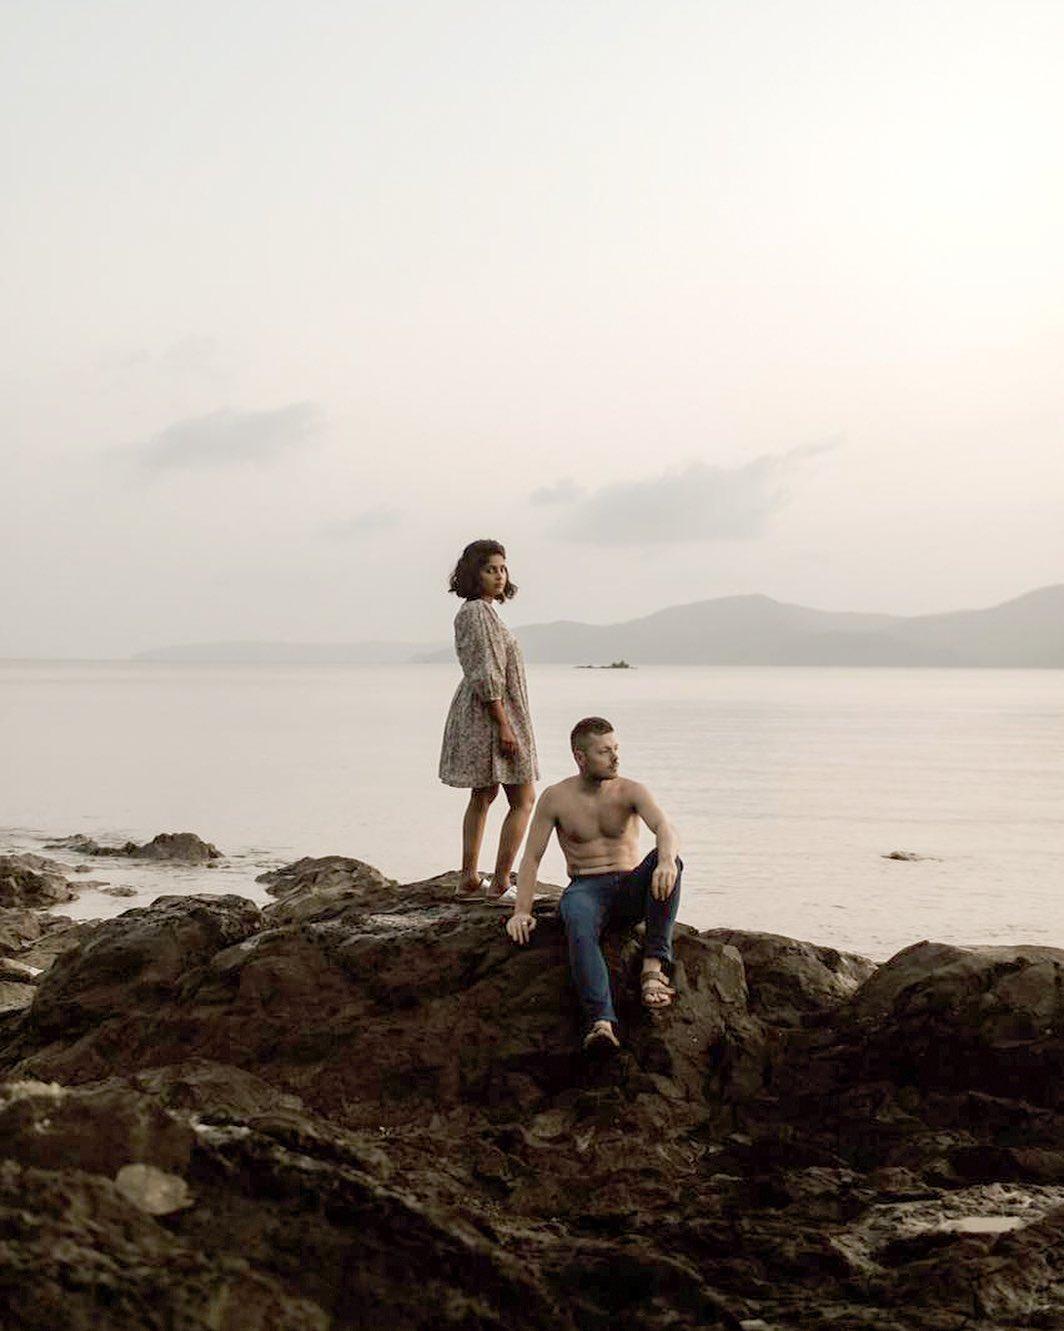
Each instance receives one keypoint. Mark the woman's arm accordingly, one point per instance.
(507, 738)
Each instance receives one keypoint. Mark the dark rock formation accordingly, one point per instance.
(789, 980)
(18, 927)
(33, 880)
(177, 847)
(981, 1018)
(85, 845)
(445, 1013)
(18, 984)
(363, 1106)
(323, 874)
(58, 934)
(312, 887)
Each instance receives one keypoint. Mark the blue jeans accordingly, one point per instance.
(588, 905)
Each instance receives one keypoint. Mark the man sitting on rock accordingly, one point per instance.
(596, 816)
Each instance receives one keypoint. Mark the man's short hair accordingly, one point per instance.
(583, 730)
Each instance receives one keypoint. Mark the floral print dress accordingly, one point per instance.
(492, 668)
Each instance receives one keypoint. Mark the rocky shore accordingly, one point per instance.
(362, 1106)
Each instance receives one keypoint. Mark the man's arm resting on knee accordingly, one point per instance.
(520, 924)
(647, 807)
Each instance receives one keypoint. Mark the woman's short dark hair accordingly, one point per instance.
(465, 580)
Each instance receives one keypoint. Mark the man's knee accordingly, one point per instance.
(577, 915)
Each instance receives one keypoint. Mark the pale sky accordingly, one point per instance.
(677, 300)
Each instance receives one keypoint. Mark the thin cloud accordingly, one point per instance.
(190, 354)
(565, 491)
(692, 503)
(369, 520)
(225, 437)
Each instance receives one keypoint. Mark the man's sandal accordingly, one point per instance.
(657, 991)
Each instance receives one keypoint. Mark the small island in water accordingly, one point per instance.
(613, 665)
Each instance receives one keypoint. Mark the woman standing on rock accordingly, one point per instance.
(487, 739)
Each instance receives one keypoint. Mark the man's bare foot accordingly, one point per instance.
(600, 1038)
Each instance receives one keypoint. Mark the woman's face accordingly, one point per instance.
(493, 576)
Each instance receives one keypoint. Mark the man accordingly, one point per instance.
(596, 815)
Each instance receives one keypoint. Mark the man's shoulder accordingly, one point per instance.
(559, 792)
(630, 790)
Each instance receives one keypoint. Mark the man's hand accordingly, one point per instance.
(663, 880)
(520, 925)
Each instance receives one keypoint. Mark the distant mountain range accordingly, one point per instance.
(730, 630)
(291, 653)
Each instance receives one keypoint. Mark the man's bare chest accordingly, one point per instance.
(585, 821)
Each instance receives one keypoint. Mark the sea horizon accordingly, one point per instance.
(788, 784)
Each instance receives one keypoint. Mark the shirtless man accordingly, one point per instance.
(596, 816)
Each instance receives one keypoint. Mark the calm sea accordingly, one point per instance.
(788, 785)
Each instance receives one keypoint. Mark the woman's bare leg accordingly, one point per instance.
(476, 816)
(514, 826)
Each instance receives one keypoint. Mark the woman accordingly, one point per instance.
(487, 739)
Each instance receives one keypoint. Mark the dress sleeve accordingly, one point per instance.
(480, 651)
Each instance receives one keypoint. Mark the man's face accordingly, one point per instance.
(600, 758)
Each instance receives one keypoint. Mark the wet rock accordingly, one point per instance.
(367, 1080)
(131, 966)
(1020, 1279)
(987, 1019)
(324, 872)
(18, 927)
(119, 890)
(15, 994)
(17, 972)
(909, 856)
(267, 1235)
(791, 980)
(73, 1246)
(177, 847)
(207, 1089)
(434, 1008)
(59, 934)
(152, 1190)
(320, 889)
(33, 880)
(98, 1130)
(85, 845)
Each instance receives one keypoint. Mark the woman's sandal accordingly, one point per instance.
(658, 993)
(478, 893)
